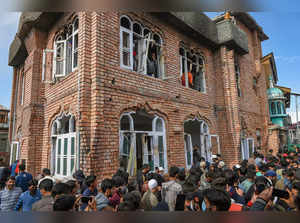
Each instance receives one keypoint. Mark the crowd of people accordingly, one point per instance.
(261, 183)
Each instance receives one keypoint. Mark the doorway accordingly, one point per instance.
(142, 141)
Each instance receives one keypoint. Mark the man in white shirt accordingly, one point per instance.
(46, 175)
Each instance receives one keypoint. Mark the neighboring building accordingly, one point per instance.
(99, 90)
(278, 102)
(4, 143)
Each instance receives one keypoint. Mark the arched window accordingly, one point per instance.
(197, 141)
(65, 58)
(137, 29)
(159, 125)
(140, 50)
(192, 70)
(126, 43)
(145, 140)
(64, 145)
(125, 22)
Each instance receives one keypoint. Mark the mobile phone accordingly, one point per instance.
(280, 193)
(86, 199)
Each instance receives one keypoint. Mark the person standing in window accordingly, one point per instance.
(152, 65)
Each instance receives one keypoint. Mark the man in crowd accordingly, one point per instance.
(10, 195)
(46, 174)
(216, 200)
(149, 199)
(23, 178)
(102, 198)
(47, 201)
(29, 197)
(171, 189)
(142, 176)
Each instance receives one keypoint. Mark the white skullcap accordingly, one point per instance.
(160, 168)
(152, 184)
(214, 157)
(238, 166)
(221, 164)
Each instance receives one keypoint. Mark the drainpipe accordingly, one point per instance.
(78, 115)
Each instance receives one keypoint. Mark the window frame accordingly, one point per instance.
(63, 38)
(142, 66)
(68, 156)
(22, 88)
(17, 152)
(197, 64)
(55, 137)
(237, 70)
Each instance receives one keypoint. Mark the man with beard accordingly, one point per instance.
(149, 199)
(29, 197)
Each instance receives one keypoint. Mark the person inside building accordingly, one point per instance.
(10, 195)
(190, 78)
(152, 66)
(23, 178)
(47, 201)
(29, 197)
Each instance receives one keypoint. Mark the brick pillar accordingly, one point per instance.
(231, 143)
(83, 119)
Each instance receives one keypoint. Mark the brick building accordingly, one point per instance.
(4, 143)
(96, 90)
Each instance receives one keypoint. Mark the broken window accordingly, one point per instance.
(142, 141)
(192, 70)
(237, 76)
(197, 141)
(140, 49)
(66, 51)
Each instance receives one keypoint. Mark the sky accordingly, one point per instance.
(282, 27)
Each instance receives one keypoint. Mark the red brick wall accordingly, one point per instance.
(102, 102)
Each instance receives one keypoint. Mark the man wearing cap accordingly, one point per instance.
(271, 174)
(149, 199)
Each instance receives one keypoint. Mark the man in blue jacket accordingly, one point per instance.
(23, 178)
(28, 198)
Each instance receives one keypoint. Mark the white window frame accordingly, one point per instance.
(68, 156)
(153, 134)
(203, 72)
(64, 42)
(190, 143)
(245, 148)
(23, 88)
(17, 152)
